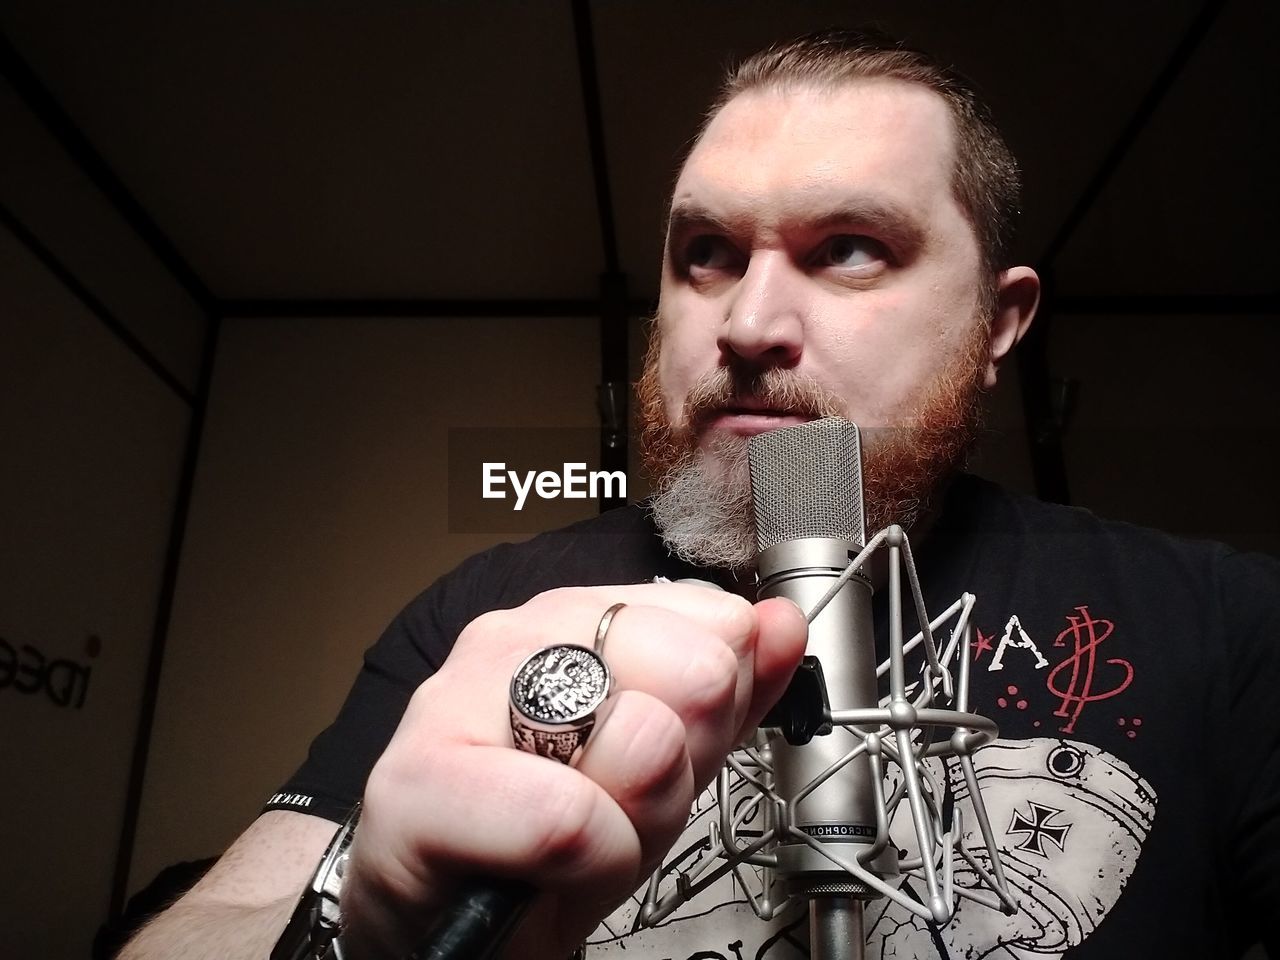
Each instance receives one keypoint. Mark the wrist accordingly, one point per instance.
(313, 931)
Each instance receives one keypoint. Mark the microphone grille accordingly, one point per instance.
(806, 481)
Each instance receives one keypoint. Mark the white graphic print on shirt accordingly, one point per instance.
(1069, 820)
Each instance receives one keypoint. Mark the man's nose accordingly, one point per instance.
(765, 322)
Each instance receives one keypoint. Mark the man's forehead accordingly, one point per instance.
(884, 109)
(810, 147)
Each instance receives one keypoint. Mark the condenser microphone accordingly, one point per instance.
(818, 791)
(806, 485)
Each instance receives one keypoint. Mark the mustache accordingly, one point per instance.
(773, 389)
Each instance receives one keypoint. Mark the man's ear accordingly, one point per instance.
(1017, 295)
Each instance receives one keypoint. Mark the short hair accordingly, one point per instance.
(985, 180)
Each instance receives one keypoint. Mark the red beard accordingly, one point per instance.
(902, 465)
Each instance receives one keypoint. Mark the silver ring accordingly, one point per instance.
(554, 695)
(602, 630)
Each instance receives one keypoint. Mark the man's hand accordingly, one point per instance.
(694, 671)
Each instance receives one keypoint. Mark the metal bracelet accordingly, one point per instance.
(312, 931)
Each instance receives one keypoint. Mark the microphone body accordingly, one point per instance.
(842, 808)
(807, 491)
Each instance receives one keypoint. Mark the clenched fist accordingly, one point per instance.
(450, 800)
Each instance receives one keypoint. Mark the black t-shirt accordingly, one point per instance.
(1134, 792)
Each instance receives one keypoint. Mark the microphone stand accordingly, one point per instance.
(888, 733)
(836, 929)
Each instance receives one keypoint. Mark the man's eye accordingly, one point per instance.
(848, 250)
(708, 253)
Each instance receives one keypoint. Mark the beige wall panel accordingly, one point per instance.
(92, 443)
(1183, 438)
(319, 511)
(68, 214)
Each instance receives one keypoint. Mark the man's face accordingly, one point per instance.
(818, 233)
(817, 263)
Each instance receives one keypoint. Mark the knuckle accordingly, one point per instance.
(659, 754)
(710, 679)
(559, 828)
(492, 636)
(555, 597)
(735, 617)
(487, 625)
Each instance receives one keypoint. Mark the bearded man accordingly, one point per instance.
(837, 245)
